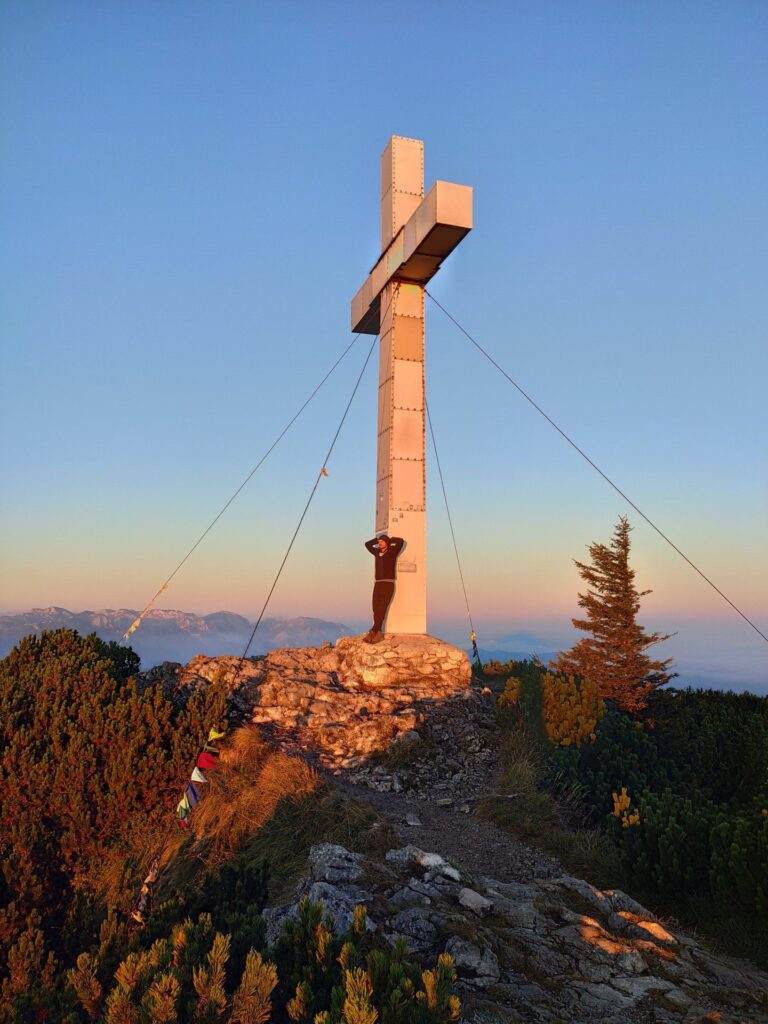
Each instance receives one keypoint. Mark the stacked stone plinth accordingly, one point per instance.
(346, 702)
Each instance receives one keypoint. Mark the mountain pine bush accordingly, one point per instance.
(571, 708)
(89, 773)
(313, 976)
(715, 742)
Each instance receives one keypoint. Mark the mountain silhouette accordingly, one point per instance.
(173, 635)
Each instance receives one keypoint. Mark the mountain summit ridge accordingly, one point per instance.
(171, 634)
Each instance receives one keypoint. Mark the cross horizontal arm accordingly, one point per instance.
(433, 231)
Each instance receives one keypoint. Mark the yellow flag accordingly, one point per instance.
(214, 735)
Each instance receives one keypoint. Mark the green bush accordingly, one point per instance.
(233, 897)
(738, 867)
(623, 753)
(714, 743)
(669, 848)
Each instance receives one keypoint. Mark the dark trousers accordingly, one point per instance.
(383, 591)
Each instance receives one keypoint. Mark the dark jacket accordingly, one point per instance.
(385, 560)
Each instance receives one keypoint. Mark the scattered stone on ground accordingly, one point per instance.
(554, 949)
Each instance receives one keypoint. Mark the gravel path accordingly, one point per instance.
(456, 761)
(476, 844)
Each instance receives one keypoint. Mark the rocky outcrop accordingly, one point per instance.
(340, 703)
(549, 950)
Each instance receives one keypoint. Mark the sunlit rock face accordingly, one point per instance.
(403, 661)
(341, 703)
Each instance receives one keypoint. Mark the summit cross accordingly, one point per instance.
(417, 233)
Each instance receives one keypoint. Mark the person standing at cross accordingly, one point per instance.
(385, 550)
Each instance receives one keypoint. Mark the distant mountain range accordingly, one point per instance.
(506, 654)
(170, 635)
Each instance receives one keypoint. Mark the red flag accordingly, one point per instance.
(206, 761)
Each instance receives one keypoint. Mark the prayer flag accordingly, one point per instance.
(214, 734)
(182, 807)
(193, 797)
(197, 776)
(211, 750)
(206, 761)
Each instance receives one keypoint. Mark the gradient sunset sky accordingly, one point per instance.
(189, 200)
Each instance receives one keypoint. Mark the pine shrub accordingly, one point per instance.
(571, 709)
(510, 695)
(89, 769)
(313, 976)
(738, 866)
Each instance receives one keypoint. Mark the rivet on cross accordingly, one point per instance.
(417, 233)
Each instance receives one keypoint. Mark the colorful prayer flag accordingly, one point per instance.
(214, 734)
(193, 797)
(197, 776)
(206, 761)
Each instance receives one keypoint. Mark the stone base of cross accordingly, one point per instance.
(417, 233)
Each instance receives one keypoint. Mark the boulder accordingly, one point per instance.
(475, 902)
(331, 863)
(473, 963)
(415, 927)
(339, 903)
(432, 861)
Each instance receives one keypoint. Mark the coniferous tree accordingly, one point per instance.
(613, 654)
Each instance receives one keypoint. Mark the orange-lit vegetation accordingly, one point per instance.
(242, 794)
(613, 654)
(571, 708)
(623, 810)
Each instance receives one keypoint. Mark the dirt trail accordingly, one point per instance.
(430, 801)
(478, 845)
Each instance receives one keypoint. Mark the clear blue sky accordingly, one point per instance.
(190, 199)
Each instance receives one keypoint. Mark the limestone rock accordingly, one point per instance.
(416, 928)
(275, 918)
(482, 965)
(538, 957)
(340, 703)
(331, 863)
(433, 861)
(475, 902)
(339, 903)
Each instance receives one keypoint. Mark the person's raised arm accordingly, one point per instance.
(396, 544)
(372, 546)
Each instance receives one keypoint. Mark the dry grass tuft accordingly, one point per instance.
(537, 817)
(273, 805)
(243, 792)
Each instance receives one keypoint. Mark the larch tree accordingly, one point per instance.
(614, 653)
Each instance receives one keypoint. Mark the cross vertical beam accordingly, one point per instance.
(417, 233)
